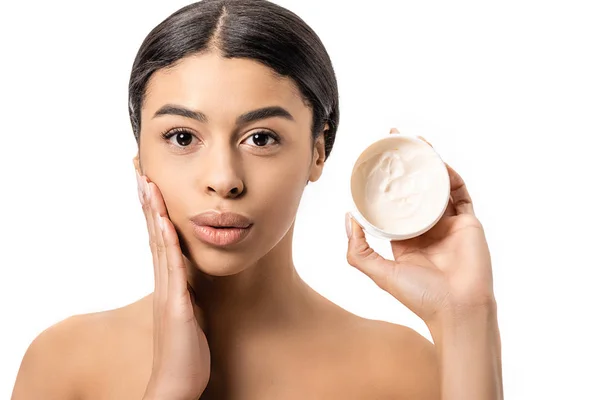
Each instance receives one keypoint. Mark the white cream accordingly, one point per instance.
(400, 185)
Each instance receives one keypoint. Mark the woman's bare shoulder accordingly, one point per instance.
(60, 360)
(403, 362)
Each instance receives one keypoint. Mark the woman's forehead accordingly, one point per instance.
(209, 81)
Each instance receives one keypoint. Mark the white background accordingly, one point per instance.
(508, 92)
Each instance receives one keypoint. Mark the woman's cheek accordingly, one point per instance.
(281, 201)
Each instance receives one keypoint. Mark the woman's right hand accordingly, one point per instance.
(181, 357)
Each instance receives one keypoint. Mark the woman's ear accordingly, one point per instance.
(318, 161)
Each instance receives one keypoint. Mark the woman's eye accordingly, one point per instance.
(261, 139)
(180, 138)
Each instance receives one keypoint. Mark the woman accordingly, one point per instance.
(234, 105)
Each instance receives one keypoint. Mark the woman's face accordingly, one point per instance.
(209, 149)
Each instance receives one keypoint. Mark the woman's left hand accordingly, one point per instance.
(444, 272)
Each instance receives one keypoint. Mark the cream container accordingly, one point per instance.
(400, 187)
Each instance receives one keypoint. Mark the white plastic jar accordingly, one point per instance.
(400, 187)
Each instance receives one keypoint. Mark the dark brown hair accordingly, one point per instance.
(252, 29)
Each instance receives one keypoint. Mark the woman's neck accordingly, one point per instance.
(268, 293)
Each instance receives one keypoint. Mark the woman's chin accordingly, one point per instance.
(220, 262)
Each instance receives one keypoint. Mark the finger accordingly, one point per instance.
(394, 130)
(140, 188)
(176, 270)
(461, 199)
(181, 296)
(144, 190)
(361, 256)
(161, 254)
(452, 202)
(450, 211)
(158, 209)
(425, 140)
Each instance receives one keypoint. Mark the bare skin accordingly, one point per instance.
(334, 355)
(270, 335)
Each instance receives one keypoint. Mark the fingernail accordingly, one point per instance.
(146, 189)
(425, 140)
(348, 225)
(139, 187)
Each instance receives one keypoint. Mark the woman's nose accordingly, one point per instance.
(223, 177)
(226, 189)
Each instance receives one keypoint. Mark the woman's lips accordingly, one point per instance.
(220, 229)
(220, 236)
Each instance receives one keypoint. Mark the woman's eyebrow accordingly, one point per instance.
(250, 116)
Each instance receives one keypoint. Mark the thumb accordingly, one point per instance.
(362, 257)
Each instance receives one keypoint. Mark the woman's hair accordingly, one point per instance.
(253, 29)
